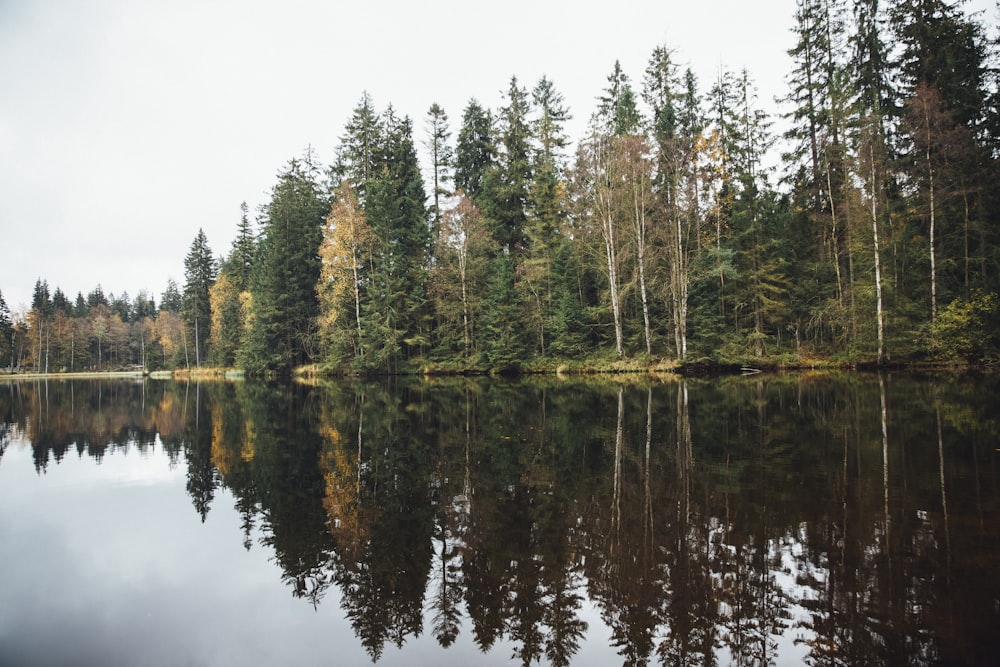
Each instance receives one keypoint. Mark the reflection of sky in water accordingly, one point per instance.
(109, 564)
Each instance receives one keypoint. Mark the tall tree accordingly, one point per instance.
(676, 126)
(396, 210)
(284, 302)
(357, 155)
(459, 275)
(239, 264)
(547, 210)
(943, 49)
(618, 110)
(599, 174)
(170, 300)
(475, 151)
(199, 276)
(227, 320)
(509, 181)
(442, 157)
(6, 334)
(756, 219)
(346, 253)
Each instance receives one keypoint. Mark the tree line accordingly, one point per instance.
(666, 231)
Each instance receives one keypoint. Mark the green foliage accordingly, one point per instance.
(283, 285)
(199, 275)
(968, 328)
(475, 151)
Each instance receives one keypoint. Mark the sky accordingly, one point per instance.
(128, 125)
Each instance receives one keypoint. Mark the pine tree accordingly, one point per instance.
(756, 221)
(547, 205)
(869, 62)
(239, 264)
(941, 49)
(284, 305)
(6, 335)
(442, 157)
(459, 276)
(170, 299)
(357, 155)
(618, 111)
(397, 213)
(475, 151)
(673, 156)
(509, 181)
(199, 276)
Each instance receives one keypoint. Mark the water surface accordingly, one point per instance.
(779, 520)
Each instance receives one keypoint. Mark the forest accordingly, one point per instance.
(666, 234)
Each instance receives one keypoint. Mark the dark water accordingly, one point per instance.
(830, 520)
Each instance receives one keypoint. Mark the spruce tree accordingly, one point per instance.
(942, 49)
(283, 283)
(396, 210)
(357, 155)
(170, 300)
(6, 334)
(239, 264)
(441, 156)
(618, 110)
(509, 181)
(199, 276)
(475, 151)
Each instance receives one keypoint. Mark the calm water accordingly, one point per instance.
(766, 520)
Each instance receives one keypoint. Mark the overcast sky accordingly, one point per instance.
(127, 125)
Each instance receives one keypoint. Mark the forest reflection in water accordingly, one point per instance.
(839, 519)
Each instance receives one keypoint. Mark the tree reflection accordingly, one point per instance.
(703, 521)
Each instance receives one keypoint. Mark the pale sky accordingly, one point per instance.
(127, 125)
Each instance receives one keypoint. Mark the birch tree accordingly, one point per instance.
(344, 252)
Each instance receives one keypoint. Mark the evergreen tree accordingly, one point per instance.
(757, 218)
(284, 304)
(819, 97)
(396, 210)
(869, 62)
(239, 264)
(144, 306)
(60, 303)
(199, 276)
(96, 298)
(41, 299)
(509, 181)
(548, 201)
(171, 299)
(475, 151)
(442, 156)
(503, 336)
(547, 196)
(458, 278)
(357, 155)
(943, 49)
(618, 111)
(6, 334)
(677, 126)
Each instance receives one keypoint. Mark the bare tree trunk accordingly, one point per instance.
(878, 258)
(930, 194)
(639, 221)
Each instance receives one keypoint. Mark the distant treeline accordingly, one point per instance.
(667, 231)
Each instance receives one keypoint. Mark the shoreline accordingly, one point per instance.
(693, 369)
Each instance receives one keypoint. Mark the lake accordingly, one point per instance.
(827, 519)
